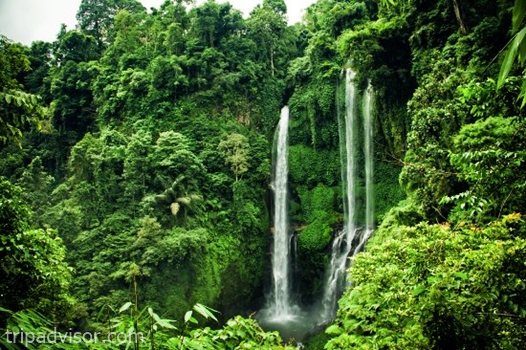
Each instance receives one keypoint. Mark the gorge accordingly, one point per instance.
(282, 313)
(149, 182)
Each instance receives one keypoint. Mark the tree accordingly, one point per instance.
(32, 262)
(206, 22)
(235, 150)
(489, 155)
(278, 6)
(37, 185)
(267, 27)
(18, 109)
(458, 8)
(41, 59)
(173, 156)
(178, 199)
(137, 168)
(179, 173)
(75, 46)
(95, 17)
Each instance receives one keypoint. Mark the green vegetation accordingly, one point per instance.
(33, 271)
(18, 108)
(445, 270)
(437, 287)
(136, 157)
(154, 162)
(144, 328)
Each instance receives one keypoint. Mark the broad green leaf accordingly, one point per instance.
(461, 275)
(523, 93)
(419, 289)
(5, 310)
(205, 311)
(334, 330)
(432, 279)
(125, 307)
(187, 316)
(156, 318)
(519, 9)
(166, 324)
(511, 55)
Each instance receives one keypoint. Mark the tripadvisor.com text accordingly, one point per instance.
(56, 337)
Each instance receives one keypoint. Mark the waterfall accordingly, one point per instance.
(369, 170)
(280, 307)
(351, 239)
(369, 160)
(342, 244)
(280, 313)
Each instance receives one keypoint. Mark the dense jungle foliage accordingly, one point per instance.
(136, 157)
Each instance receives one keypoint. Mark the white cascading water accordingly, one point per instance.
(342, 244)
(369, 170)
(280, 308)
(281, 314)
(369, 161)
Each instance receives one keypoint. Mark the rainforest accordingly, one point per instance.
(209, 180)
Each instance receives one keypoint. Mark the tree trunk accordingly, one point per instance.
(461, 17)
(136, 314)
(271, 61)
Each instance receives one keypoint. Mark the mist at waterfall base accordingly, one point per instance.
(282, 314)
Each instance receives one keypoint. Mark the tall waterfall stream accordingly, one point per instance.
(281, 313)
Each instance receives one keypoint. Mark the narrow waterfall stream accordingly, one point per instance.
(280, 307)
(281, 313)
(369, 160)
(369, 170)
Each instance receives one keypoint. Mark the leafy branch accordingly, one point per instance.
(516, 48)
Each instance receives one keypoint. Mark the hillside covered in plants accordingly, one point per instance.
(136, 162)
